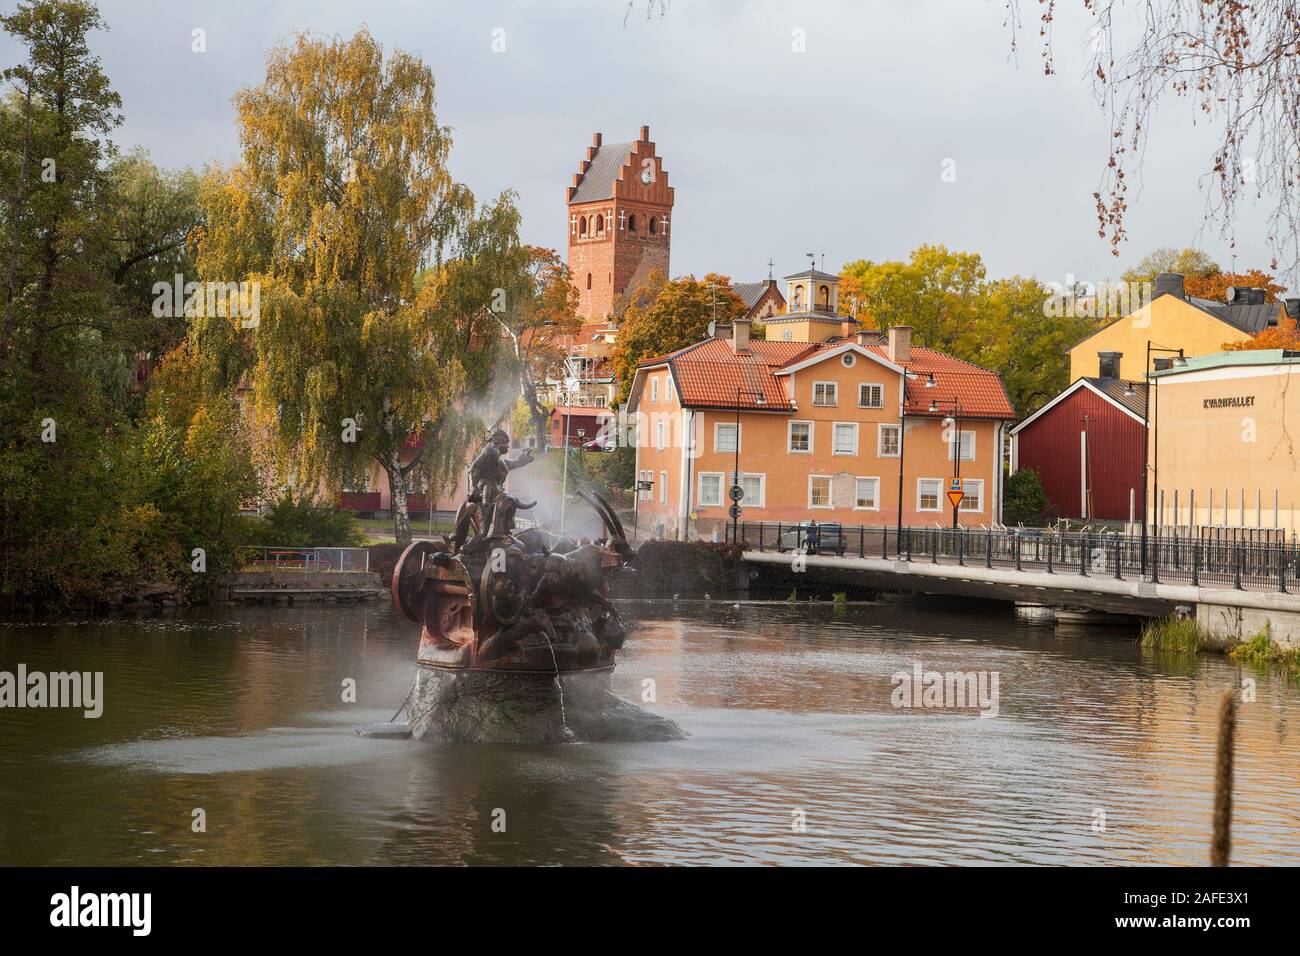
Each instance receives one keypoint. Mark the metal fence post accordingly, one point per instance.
(1196, 562)
(1236, 563)
(1281, 568)
(988, 550)
(862, 531)
(779, 548)
(1050, 548)
(1119, 558)
(961, 547)
(934, 546)
(1015, 544)
(909, 542)
(1083, 555)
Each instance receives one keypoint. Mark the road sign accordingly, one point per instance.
(735, 511)
(737, 493)
(955, 494)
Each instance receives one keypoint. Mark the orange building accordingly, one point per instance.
(828, 430)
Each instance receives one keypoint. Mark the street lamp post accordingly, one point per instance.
(1146, 440)
(736, 491)
(955, 404)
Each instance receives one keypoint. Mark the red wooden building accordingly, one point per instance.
(1086, 445)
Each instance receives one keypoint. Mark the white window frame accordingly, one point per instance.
(659, 435)
(876, 385)
(654, 388)
(837, 425)
(856, 496)
(938, 497)
(789, 437)
(965, 484)
(880, 440)
(722, 489)
(830, 493)
(663, 487)
(761, 501)
(835, 394)
(717, 428)
(960, 442)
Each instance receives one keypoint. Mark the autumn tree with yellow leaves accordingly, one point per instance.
(379, 273)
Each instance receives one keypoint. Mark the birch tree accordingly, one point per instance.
(375, 335)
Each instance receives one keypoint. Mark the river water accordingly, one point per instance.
(1100, 752)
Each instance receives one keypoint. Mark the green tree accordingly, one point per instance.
(341, 200)
(1023, 499)
(662, 316)
(1188, 262)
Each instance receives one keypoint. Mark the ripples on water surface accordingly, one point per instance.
(238, 711)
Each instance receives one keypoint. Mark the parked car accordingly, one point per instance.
(814, 537)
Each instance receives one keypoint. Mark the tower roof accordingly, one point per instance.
(597, 182)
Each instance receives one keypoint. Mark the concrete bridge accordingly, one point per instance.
(1235, 587)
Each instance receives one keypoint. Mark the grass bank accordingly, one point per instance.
(1186, 636)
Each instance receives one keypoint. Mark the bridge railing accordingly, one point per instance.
(1268, 562)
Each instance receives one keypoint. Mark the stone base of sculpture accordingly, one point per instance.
(489, 706)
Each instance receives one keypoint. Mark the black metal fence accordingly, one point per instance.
(1264, 562)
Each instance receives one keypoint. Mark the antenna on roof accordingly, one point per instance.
(823, 262)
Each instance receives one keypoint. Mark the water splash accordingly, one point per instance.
(564, 720)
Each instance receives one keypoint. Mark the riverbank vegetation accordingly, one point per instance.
(138, 417)
(1186, 636)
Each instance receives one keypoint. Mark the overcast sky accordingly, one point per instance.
(773, 153)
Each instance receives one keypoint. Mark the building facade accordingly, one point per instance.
(1086, 447)
(620, 221)
(824, 430)
(1174, 320)
(1223, 442)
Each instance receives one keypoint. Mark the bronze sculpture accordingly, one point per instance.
(505, 615)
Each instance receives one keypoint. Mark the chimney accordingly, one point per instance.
(645, 134)
(1108, 364)
(1293, 308)
(870, 337)
(1257, 296)
(900, 343)
(740, 335)
(1171, 282)
(595, 140)
(847, 328)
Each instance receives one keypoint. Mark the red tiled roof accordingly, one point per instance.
(577, 411)
(708, 374)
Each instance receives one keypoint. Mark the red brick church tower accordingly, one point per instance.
(620, 221)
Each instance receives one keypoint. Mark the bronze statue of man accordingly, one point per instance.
(488, 473)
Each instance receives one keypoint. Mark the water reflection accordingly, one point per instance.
(239, 712)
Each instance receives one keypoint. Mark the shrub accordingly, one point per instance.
(1023, 499)
(303, 523)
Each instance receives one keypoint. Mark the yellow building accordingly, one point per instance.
(812, 310)
(1173, 320)
(1224, 446)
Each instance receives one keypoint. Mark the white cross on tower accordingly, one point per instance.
(622, 219)
(665, 222)
(573, 225)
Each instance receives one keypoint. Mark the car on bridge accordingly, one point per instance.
(814, 538)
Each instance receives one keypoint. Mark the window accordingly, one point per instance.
(600, 224)
(631, 223)
(654, 388)
(871, 396)
(588, 280)
(825, 393)
(652, 225)
(927, 493)
(663, 487)
(844, 438)
(724, 437)
(825, 294)
(967, 445)
(800, 437)
(582, 226)
(754, 486)
(710, 489)
(819, 491)
(646, 494)
(659, 436)
(797, 300)
(973, 500)
(848, 360)
(868, 495)
(787, 335)
(888, 441)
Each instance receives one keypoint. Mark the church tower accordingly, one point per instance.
(620, 222)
